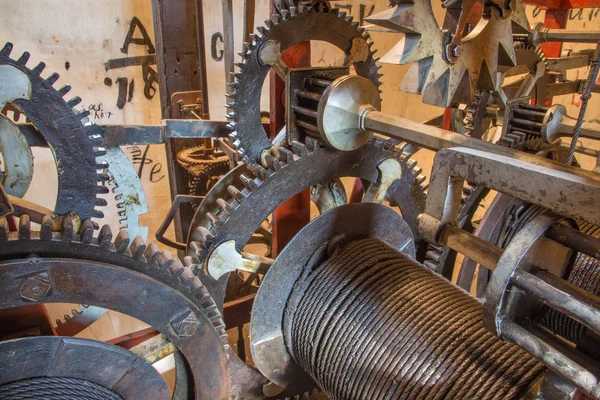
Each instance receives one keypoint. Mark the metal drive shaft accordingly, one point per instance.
(370, 323)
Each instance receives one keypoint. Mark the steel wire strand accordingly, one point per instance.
(372, 324)
(53, 388)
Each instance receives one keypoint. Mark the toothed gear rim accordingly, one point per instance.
(60, 280)
(240, 215)
(133, 255)
(75, 148)
(287, 28)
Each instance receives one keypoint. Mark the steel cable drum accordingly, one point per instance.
(370, 323)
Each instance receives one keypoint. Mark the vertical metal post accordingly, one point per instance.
(249, 11)
(294, 214)
(177, 62)
(202, 59)
(228, 40)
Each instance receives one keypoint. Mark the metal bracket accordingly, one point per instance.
(179, 200)
(188, 105)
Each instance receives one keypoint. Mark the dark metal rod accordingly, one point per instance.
(202, 59)
(319, 82)
(553, 358)
(309, 95)
(228, 54)
(530, 113)
(556, 298)
(526, 122)
(575, 239)
(305, 111)
(308, 126)
(533, 107)
(249, 11)
(476, 249)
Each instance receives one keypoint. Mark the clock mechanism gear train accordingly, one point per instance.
(478, 279)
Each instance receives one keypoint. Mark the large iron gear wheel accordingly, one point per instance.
(239, 203)
(441, 82)
(288, 27)
(75, 148)
(122, 251)
(97, 270)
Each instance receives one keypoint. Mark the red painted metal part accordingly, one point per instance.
(563, 4)
(294, 214)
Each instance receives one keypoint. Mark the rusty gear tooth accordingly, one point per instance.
(105, 236)
(64, 90)
(122, 241)
(272, 162)
(39, 68)
(46, 228)
(205, 233)
(235, 193)
(214, 220)
(268, 24)
(248, 182)
(52, 78)
(174, 268)
(151, 253)
(74, 101)
(299, 149)
(67, 229)
(256, 168)
(224, 206)
(24, 227)
(86, 232)
(7, 49)
(137, 248)
(286, 155)
(164, 259)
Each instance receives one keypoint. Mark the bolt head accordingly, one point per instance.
(456, 51)
(187, 326)
(35, 288)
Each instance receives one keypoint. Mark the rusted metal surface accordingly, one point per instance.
(542, 183)
(237, 312)
(516, 298)
(111, 367)
(133, 339)
(109, 287)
